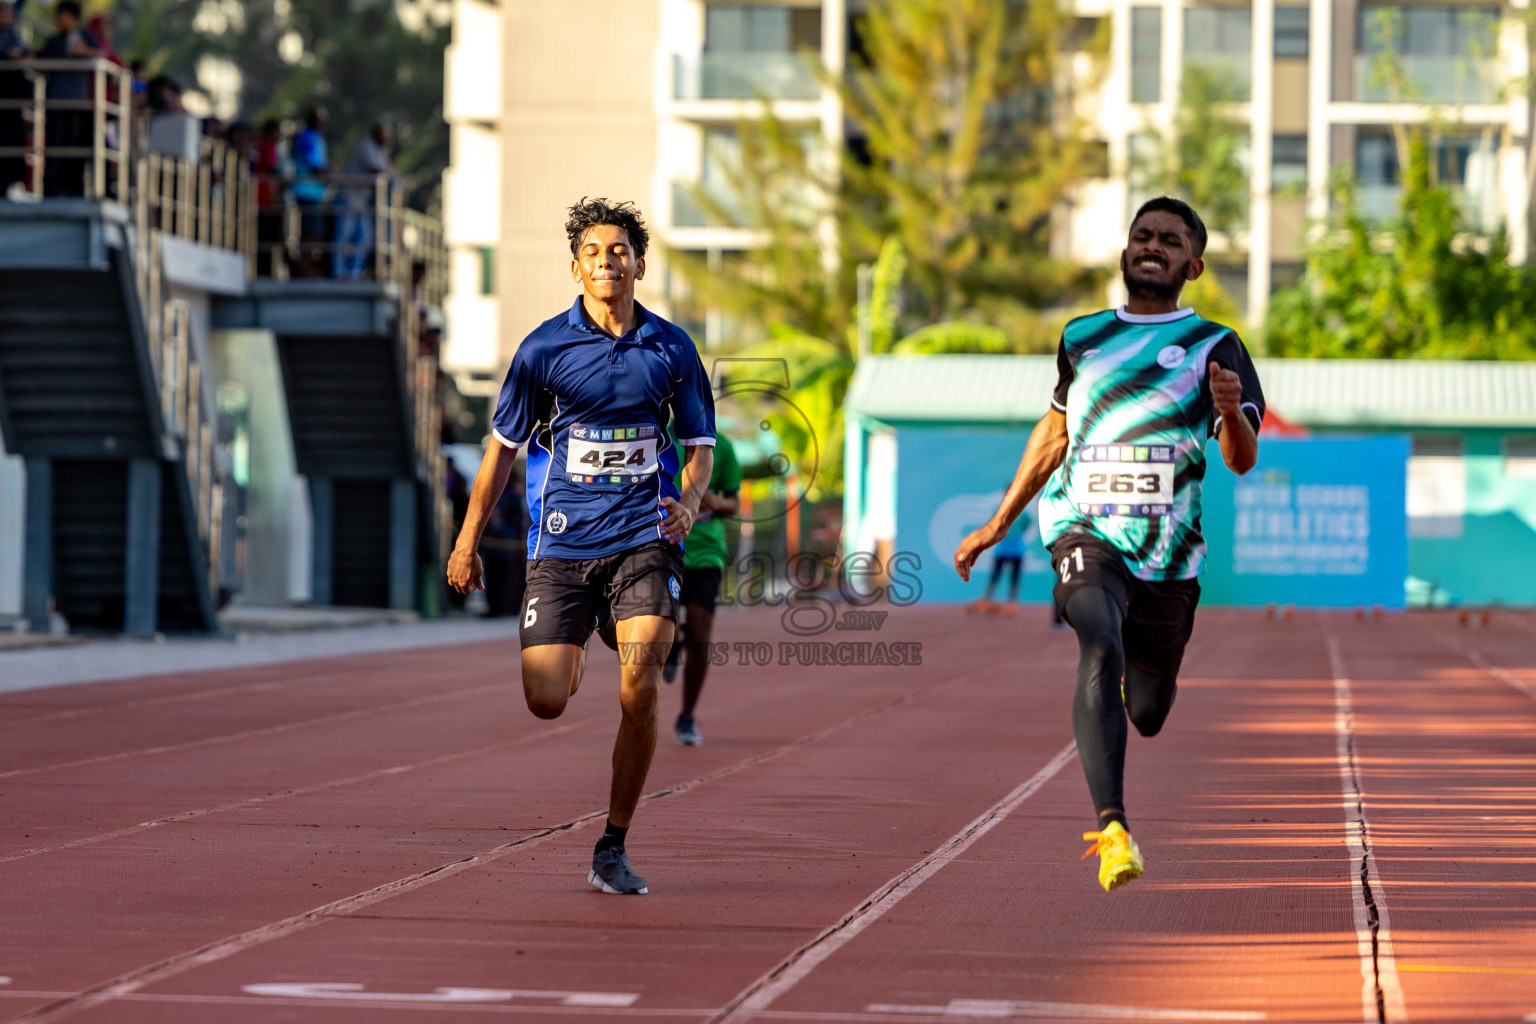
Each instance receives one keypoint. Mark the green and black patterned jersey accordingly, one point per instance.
(1139, 412)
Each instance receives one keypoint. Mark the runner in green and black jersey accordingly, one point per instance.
(1119, 462)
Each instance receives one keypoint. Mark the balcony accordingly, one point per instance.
(1429, 79)
(744, 76)
(688, 212)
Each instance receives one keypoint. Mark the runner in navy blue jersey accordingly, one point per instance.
(589, 395)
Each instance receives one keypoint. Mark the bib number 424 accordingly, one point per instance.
(612, 459)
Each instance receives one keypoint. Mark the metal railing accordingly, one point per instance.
(354, 229)
(208, 201)
(96, 150)
(91, 133)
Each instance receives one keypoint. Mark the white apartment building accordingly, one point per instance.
(541, 115)
(1314, 108)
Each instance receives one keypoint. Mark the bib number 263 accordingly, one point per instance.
(1124, 483)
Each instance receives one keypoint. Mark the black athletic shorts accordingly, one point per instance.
(567, 597)
(1158, 615)
(702, 587)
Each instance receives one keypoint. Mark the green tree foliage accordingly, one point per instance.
(960, 152)
(1200, 160)
(821, 369)
(970, 147)
(1417, 285)
(359, 58)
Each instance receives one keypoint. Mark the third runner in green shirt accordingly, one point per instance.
(704, 564)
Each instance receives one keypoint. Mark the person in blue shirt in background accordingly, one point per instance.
(589, 394)
(311, 166)
(1008, 555)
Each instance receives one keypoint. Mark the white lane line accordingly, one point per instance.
(793, 969)
(132, 981)
(267, 798)
(268, 730)
(1381, 992)
(355, 992)
(1011, 1008)
(1483, 663)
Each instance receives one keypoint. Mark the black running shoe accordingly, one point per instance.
(611, 873)
(686, 732)
(674, 660)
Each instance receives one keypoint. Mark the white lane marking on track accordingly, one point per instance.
(269, 730)
(130, 982)
(1483, 663)
(348, 991)
(1381, 991)
(297, 791)
(794, 968)
(996, 1008)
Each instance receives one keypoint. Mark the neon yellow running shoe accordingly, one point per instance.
(1119, 856)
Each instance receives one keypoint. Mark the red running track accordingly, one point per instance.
(1339, 823)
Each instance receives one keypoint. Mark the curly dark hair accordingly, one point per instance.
(589, 213)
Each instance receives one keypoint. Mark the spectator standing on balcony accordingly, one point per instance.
(311, 165)
(13, 86)
(355, 223)
(140, 89)
(163, 95)
(271, 166)
(68, 129)
(100, 27)
(12, 46)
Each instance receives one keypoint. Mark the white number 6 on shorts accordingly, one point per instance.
(532, 614)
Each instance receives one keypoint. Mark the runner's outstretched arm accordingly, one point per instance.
(464, 565)
(1046, 449)
(698, 464)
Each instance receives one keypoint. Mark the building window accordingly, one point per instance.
(1520, 456)
(761, 28)
(752, 50)
(1288, 166)
(1221, 38)
(487, 270)
(1293, 29)
(1466, 164)
(1146, 54)
(1437, 486)
(1444, 53)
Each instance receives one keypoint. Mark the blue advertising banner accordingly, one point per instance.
(1320, 522)
(949, 480)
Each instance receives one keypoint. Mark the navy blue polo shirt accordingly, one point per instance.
(593, 411)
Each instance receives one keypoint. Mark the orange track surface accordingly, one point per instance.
(851, 843)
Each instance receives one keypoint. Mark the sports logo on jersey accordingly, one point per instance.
(556, 522)
(674, 588)
(580, 432)
(1170, 356)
